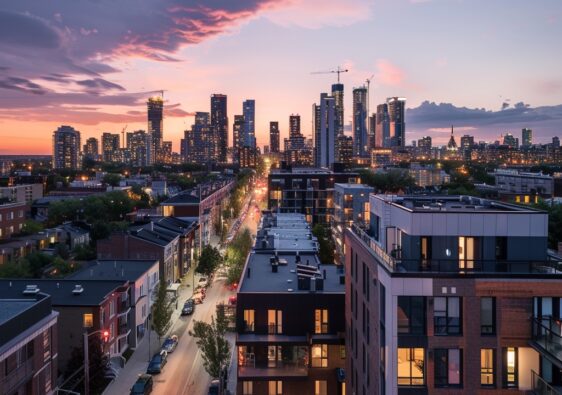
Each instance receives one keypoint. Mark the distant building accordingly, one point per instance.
(296, 150)
(29, 345)
(381, 157)
(526, 137)
(511, 141)
(24, 193)
(273, 137)
(219, 126)
(556, 142)
(110, 147)
(452, 144)
(523, 187)
(91, 149)
(198, 142)
(382, 127)
(428, 175)
(249, 129)
(345, 145)
(360, 131)
(155, 107)
(237, 137)
(324, 131)
(424, 147)
(397, 121)
(138, 145)
(66, 148)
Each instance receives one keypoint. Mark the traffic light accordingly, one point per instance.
(105, 336)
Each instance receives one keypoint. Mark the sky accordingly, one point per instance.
(486, 66)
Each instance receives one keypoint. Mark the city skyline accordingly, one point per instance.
(97, 76)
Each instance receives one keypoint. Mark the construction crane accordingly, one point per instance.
(368, 81)
(162, 93)
(123, 135)
(339, 70)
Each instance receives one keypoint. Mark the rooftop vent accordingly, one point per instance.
(78, 289)
(31, 290)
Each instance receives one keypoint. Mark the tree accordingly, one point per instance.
(97, 360)
(211, 341)
(162, 311)
(84, 253)
(209, 260)
(326, 250)
(31, 227)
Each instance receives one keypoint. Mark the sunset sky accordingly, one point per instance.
(92, 64)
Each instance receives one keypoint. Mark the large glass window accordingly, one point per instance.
(411, 315)
(321, 321)
(487, 362)
(411, 366)
(275, 387)
(274, 322)
(448, 370)
(467, 252)
(247, 388)
(511, 379)
(320, 387)
(88, 320)
(487, 316)
(447, 315)
(249, 320)
(320, 356)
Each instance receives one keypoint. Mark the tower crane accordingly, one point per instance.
(123, 135)
(339, 70)
(368, 81)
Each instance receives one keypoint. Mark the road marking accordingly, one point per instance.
(191, 372)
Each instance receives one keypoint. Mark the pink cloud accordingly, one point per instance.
(389, 74)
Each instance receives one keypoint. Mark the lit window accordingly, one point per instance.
(249, 320)
(247, 388)
(411, 369)
(320, 387)
(275, 322)
(275, 388)
(320, 356)
(511, 367)
(88, 320)
(321, 321)
(487, 367)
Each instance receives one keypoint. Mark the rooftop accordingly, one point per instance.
(130, 270)
(198, 194)
(453, 204)
(10, 308)
(353, 186)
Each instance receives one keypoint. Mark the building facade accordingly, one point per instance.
(155, 113)
(66, 148)
(274, 137)
(324, 131)
(219, 126)
(360, 131)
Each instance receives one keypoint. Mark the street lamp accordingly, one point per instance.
(105, 335)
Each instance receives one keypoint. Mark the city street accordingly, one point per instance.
(184, 372)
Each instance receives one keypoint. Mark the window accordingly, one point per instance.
(321, 321)
(411, 315)
(274, 322)
(320, 387)
(447, 315)
(88, 320)
(448, 367)
(487, 362)
(249, 320)
(112, 308)
(342, 352)
(247, 388)
(275, 388)
(48, 379)
(411, 367)
(487, 316)
(510, 367)
(468, 248)
(46, 345)
(320, 356)
(366, 277)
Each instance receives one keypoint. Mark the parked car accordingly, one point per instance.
(198, 297)
(157, 363)
(188, 307)
(143, 385)
(170, 344)
(214, 387)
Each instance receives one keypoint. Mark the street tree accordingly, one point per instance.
(209, 260)
(326, 244)
(210, 339)
(161, 311)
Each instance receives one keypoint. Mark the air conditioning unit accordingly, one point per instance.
(31, 290)
(78, 289)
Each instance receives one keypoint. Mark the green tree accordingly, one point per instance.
(162, 311)
(326, 244)
(18, 269)
(31, 227)
(37, 263)
(209, 260)
(84, 253)
(210, 339)
(98, 361)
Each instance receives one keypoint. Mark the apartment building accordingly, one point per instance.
(523, 187)
(351, 206)
(308, 191)
(289, 315)
(25, 193)
(28, 343)
(452, 295)
(12, 217)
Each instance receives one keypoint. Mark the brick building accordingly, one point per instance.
(12, 217)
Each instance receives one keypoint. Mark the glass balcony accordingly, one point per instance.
(547, 336)
(540, 387)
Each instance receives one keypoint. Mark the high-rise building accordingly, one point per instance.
(66, 148)
(452, 144)
(382, 127)
(397, 121)
(138, 145)
(324, 131)
(274, 137)
(237, 136)
(372, 131)
(467, 142)
(510, 141)
(91, 148)
(424, 146)
(360, 133)
(337, 94)
(345, 145)
(297, 152)
(249, 131)
(155, 106)
(556, 142)
(110, 147)
(526, 137)
(197, 144)
(219, 126)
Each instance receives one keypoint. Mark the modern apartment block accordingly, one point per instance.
(523, 187)
(451, 295)
(351, 206)
(289, 314)
(308, 191)
(28, 343)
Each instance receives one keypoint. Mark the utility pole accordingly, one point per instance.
(86, 366)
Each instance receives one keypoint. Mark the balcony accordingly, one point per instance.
(17, 377)
(272, 370)
(540, 387)
(547, 337)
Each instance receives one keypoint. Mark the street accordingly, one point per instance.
(184, 373)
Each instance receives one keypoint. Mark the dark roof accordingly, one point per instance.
(130, 270)
(93, 294)
(158, 236)
(199, 193)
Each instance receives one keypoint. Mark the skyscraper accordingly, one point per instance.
(382, 127)
(324, 131)
(155, 106)
(219, 126)
(397, 121)
(510, 141)
(138, 144)
(424, 146)
(526, 137)
(360, 134)
(91, 148)
(556, 142)
(66, 148)
(372, 130)
(249, 131)
(237, 136)
(110, 147)
(274, 137)
(337, 93)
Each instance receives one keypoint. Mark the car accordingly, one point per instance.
(188, 307)
(198, 297)
(142, 386)
(157, 363)
(170, 344)
(214, 387)
(232, 300)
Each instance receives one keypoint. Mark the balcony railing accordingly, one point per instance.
(381, 254)
(17, 377)
(540, 387)
(546, 334)
(273, 369)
